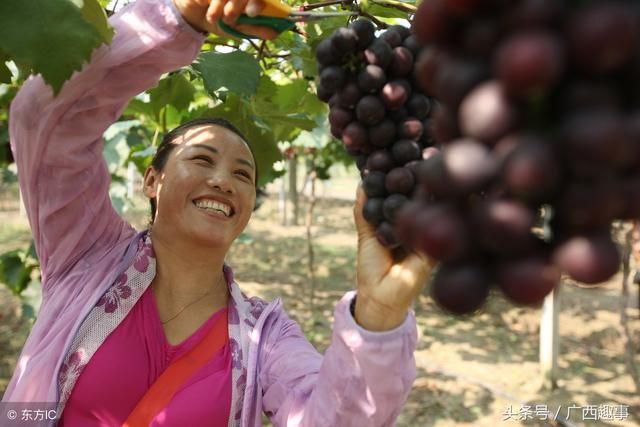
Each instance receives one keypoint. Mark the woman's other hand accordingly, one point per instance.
(386, 289)
(203, 15)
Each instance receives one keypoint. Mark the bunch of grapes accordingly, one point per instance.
(378, 112)
(538, 136)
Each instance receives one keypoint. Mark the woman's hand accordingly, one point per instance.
(203, 15)
(386, 289)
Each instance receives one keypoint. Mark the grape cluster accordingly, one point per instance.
(538, 136)
(378, 112)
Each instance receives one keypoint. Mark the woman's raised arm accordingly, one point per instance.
(57, 141)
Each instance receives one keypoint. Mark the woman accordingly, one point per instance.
(122, 309)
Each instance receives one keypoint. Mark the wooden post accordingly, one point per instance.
(293, 188)
(282, 202)
(550, 339)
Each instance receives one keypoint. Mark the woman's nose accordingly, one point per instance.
(221, 181)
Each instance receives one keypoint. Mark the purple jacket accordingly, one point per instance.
(85, 249)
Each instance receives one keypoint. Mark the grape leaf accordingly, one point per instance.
(174, 90)
(261, 139)
(93, 12)
(52, 37)
(238, 72)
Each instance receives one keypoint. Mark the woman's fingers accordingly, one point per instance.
(254, 7)
(232, 10)
(214, 11)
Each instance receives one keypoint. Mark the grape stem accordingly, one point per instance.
(375, 20)
(326, 3)
(395, 4)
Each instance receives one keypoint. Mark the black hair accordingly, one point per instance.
(166, 146)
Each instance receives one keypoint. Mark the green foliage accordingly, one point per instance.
(52, 37)
(237, 72)
(16, 267)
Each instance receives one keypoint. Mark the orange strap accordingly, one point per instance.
(161, 392)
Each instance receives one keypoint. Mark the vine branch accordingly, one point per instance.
(395, 4)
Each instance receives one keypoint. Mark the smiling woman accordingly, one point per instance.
(150, 328)
(168, 143)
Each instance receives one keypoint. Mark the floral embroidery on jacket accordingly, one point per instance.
(144, 252)
(111, 298)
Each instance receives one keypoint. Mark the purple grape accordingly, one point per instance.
(373, 184)
(371, 79)
(382, 134)
(460, 288)
(400, 180)
(404, 151)
(370, 110)
(372, 210)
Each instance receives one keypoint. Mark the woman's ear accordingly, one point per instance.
(150, 182)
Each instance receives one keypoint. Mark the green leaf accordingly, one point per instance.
(237, 72)
(261, 139)
(174, 90)
(51, 37)
(5, 73)
(93, 12)
(13, 271)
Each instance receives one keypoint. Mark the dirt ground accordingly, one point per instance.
(476, 371)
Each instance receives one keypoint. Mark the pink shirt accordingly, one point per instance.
(128, 363)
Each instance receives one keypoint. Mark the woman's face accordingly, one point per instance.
(206, 191)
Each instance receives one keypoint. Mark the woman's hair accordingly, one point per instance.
(166, 146)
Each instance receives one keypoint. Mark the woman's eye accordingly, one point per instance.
(204, 158)
(244, 174)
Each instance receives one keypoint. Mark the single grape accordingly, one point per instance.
(372, 210)
(468, 164)
(371, 79)
(590, 258)
(373, 184)
(333, 78)
(395, 93)
(324, 94)
(344, 40)
(503, 225)
(404, 151)
(419, 106)
(392, 204)
(392, 37)
(370, 110)
(441, 232)
(528, 280)
(382, 134)
(412, 44)
(379, 53)
(487, 114)
(530, 170)
(326, 54)
(400, 180)
(354, 136)
(410, 128)
(349, 95)
(386, 235)
(339, 118)
(432, 174)
(401, 62)
(460, 288)
(530, 63)
(365, 32)
(380, 160)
